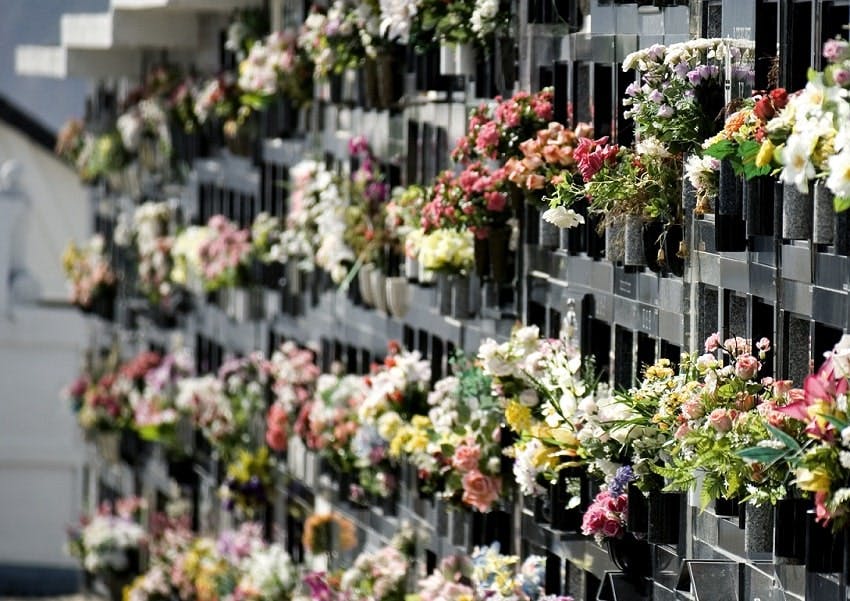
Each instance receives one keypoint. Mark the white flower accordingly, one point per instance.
(796, 157)
(396, 17)
(652, 147)
(838, 180)
(562, 217)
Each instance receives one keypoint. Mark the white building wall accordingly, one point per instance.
(41, 451)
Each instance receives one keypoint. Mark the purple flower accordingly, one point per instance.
(841, 77)
(656, 97)
(624, 475)
(358, 145)
(681, 69)
(694, 77)
(656, 52)
(633, 89)
(665, 111)
(835, 50)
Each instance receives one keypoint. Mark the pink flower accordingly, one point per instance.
(488, 137)
(496, 201)
(712, 343)
(746, 367)
(693, 408)
(682, 431)
(466, 457)
(480, 491)
(612, 528)
(535, 182)
(721, 420)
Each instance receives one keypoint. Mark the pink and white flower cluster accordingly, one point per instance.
(606, 516)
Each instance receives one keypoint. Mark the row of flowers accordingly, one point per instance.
(712, 424)
(272, 66)
(241, 564)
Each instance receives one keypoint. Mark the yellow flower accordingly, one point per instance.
(765, 153)
(544, 458)
(420, 421)
(813, 480)
(399, 441)
(564, 436)
(418, 442)
(518, 416)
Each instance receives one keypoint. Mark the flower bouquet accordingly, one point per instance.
(108, 543)
(225, 254)
(248, 486)
(155, 411)
(294, 376)
(88, 271)
(275, 64)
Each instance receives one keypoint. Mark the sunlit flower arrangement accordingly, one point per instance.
(274, 64)
(607, 514)
(88, 271)
(294, 376)
(546, 389)
(820, 456)
(326, 533)
(459, 21)
(339, 38)
(380, 575)
(225, 254)
(504, 578)
(456, 448)
(248, 485)
(496, 130)
(110, 540)
(155, 412)
(724, 408)
(449, 251)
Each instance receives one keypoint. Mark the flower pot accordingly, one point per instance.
(630, 555)
(615, 240)
(426, 276)
(453, 294)
(664, 511)
(824, 549)
(368, 96)
(378, 284)
(334, 85)
(758, 206)
(758, 529)
(411, 268)
(638, 515)
(398, 296)
(108, 446)
(789, 532)
(457, 59)
(796, 214)
(633, 245)
(841, 237)
(500, 259)
(482, 257)
(823, 219)
(549, 235)
(364, 282)
(729, 201)
(387, 80)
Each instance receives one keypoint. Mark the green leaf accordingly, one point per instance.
(721, 150)
(839, 424)
(841, 203)
(761, 454)
(784, 438)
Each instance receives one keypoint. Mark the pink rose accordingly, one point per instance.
(693, 409)
(612, 528)
(721, 420)
(480, 491)
(712, 343)
(276, 438)
(618, 504)
(535, 182)
(593, 520)
(496, 201)
(682, 431)
(746, 367)
(466, 457)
